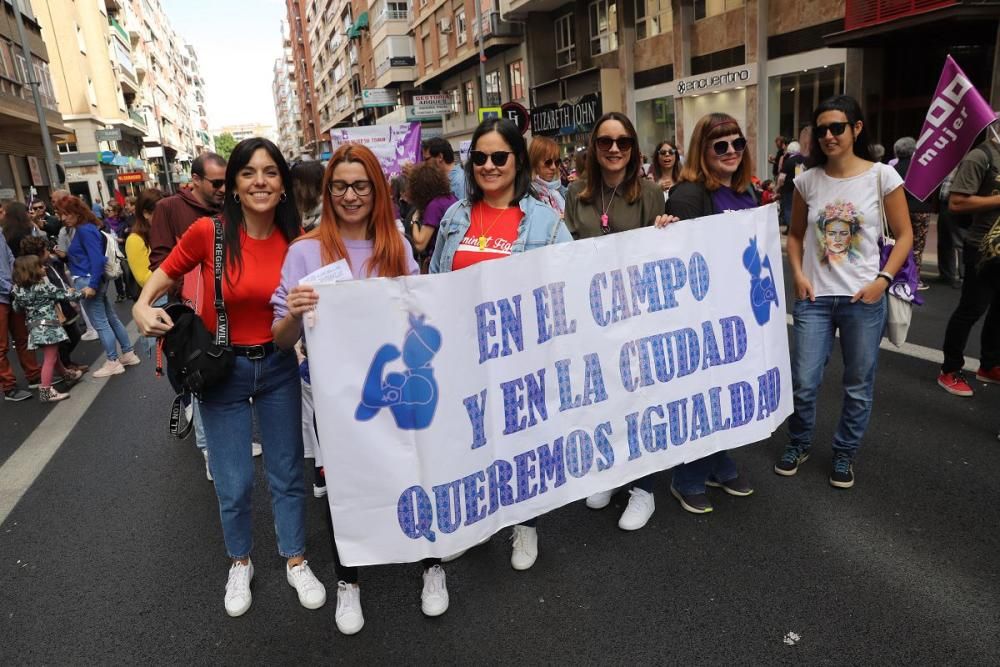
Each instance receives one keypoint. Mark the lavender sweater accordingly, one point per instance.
(305, 256)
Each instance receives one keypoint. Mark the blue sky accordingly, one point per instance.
(237, 43)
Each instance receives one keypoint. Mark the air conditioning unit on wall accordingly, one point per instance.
(444, 25)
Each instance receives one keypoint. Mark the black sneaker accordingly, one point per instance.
(790, 461)
(842, 476)
(16, 395)
(696, 504)
(35, 384)
(737, 486)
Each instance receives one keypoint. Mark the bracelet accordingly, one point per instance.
(885, 274)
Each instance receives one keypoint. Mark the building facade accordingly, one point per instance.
(287, 109)
(303, 45)
(22, 158)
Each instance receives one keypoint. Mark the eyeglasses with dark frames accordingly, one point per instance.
(361, 188)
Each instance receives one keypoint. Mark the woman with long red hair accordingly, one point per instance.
(357, 225)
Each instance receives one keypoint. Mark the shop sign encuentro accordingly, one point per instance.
(568, 117)
(710, 82)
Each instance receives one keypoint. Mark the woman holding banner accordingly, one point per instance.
(613, 196)
(845, 297)
(357, 225)
(259, 221)
(716, 179)
(499, 216)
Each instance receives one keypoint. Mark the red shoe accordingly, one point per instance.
(955, 383)
(991, 375)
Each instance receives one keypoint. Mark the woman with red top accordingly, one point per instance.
(500, 216)
(260, 221)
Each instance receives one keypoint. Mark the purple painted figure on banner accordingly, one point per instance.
(957, 114)
(393, 145)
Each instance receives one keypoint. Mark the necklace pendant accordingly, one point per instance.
(482, 243)
(604, 220)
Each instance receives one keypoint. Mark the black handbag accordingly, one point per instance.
(197, 360)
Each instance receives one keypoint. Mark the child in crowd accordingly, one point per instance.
(37, 297)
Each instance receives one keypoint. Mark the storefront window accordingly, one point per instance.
(794, 96)
(654, 122)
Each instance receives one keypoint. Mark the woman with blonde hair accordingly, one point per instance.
(543, 154)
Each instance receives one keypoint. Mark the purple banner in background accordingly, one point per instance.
(957, 114)
(393, 145)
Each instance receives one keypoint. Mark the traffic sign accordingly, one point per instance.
(489, 112)
(517, 114)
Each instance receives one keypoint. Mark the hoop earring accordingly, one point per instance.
(283, 197)
(236, 198)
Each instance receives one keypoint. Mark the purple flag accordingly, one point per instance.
(958, 113)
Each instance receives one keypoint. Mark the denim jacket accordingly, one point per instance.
(539, 227)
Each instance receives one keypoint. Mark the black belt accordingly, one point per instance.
(255, 351)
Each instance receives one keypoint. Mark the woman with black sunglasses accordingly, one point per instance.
(613, 196)
(666, 171)
(500, 216)
(716, 179)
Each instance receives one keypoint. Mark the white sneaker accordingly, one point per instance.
(110, 367)
(598, 501)
(256, 448)
(434, 597)
(238, 596)
(312, 593)
(525, 549)
(640, 508)
(349, 617)
(130, 359)
(89, 334)
(208, 471)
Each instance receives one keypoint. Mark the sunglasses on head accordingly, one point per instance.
(836, 128)
(498, 158)
(666, 152)
(623, 143)
(739, 145)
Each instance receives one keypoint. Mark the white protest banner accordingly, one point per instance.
(450, 406)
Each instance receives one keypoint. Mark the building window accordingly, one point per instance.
(652, 17)
(493, 88)
(470, 97)
(565, 41)
(442, 41)
(515, 75)
(705, 8)
(67, 146)
(428, 56)
(91, 93)
(456, 100)
(461, 28)
(80, 41)
(603, 27)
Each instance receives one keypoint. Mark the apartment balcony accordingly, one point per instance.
(120, 33)
(389, 22)
(113, 5)
(128, 80)
(519, 9)
(137, 118)
(393, 71)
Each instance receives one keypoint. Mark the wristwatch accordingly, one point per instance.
(888, 276)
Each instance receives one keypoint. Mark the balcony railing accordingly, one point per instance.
(390, 15)
(137, 117)
(866, 13)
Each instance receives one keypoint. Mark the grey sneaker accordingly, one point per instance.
(16, 395)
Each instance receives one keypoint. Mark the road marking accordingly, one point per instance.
(915, 351)
(24, 466)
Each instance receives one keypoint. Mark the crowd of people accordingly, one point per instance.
(279, 223)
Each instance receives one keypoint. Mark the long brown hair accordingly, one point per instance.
(592, 179)
(75, 206)
(706, 130)
(388, 257)
(675, 171)
(146, 203)
(28, 270)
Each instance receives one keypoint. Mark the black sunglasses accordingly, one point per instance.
(666, 152)
(215, 182)
(836, 128)
(550, 162)
(739, 145)
(623, 143)
(498, 158)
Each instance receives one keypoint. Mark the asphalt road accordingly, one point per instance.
(115, 556)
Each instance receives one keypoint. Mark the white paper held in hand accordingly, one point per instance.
(331, 273)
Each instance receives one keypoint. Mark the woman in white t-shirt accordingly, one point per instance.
(834, 256)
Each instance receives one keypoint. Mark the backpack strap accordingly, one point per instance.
(221, 319)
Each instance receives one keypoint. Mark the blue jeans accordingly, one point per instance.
(860, 325)
(273, 384)
(689, 478)
(104, 318)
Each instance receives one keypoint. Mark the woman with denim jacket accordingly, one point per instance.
(259, 221)
(500, 216)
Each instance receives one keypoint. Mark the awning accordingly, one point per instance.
(360, 24)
